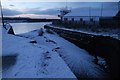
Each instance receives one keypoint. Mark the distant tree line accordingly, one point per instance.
(28, 19)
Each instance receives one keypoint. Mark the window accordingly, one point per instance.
(91, 19)
(81, 19)
(65, 19)
(72, 19)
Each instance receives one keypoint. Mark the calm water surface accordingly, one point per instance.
(20, 28)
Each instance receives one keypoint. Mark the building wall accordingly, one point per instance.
(78, 18)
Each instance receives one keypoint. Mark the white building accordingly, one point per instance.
(89, 14)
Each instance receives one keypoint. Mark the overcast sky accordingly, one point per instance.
(38, 9)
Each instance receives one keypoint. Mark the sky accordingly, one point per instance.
(49, 8)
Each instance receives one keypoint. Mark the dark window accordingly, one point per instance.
(65, 19)
(72, 19)
(81, 19)
(91, 19)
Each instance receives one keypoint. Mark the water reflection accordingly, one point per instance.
(26, 27)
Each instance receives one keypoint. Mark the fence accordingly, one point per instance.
(76, 24)
(104, 22)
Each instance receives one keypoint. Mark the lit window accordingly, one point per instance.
(91, 19)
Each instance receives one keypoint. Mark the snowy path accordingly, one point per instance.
(33, 60)
(51, 57)
(79, 61)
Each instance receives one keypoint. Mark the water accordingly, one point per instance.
(20, 28)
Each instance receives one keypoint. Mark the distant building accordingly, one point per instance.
(89, 14)
(97, 17)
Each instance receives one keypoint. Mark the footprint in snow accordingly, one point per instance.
(33, 41)
(47, 55)
(56, 49)
(48, 40)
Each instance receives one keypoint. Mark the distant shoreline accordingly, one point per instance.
(22, 19)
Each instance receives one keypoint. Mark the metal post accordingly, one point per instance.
(90, 16)
(2, 15)
(101, 9)
(119, 6)
(66, 4)
(90, 12)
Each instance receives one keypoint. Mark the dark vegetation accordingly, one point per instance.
(26, 19)
(75, 24)
(103, 46)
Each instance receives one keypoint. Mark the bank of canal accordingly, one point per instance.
(97, 45)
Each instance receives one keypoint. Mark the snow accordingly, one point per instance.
(51, 57)
(33, 60)
(92, 12)
(79, 61)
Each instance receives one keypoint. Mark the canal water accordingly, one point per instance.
(20, 28)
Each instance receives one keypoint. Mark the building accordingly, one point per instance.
(89, 14)
(110, 21)
(89, 17)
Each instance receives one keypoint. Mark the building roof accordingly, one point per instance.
(92, 12)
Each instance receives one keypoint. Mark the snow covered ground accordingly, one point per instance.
(33, 60)
(49, 56)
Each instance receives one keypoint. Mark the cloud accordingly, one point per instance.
(37, 11)
(10, 12)
(63, 0)
(43, 12)
(30, 13)
(37, 16)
